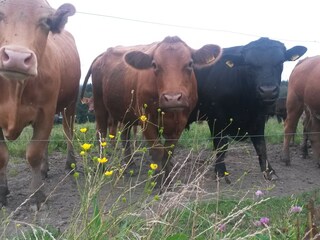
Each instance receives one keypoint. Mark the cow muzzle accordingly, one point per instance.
(173, 102)
(268, 94)
(17, 63)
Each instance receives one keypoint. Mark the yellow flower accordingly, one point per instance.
(111, 136)
(103, 144)
(226, 173)
(153, 166)
(108, 173)
(86, 146)
(83, 130)
(145, 105)
(143, 118)
(102, 160)
(82, 153)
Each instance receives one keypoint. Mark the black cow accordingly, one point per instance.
(236, 94)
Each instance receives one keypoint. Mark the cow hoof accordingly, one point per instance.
(270, 175)
(37, 201)
(4, 191)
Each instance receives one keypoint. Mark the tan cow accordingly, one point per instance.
(303, 93)
(151, 85)
(39, 76)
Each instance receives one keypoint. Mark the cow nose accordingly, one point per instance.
(20, 61)
(173, 101)
(172, 97)
(268, 92)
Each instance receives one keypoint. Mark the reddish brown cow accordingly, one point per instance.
(303, 94)
(155, 81)
(39, 76)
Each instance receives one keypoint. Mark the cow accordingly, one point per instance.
(303, 92)
(39, 76)
(236, 94)
(89, 102)
(152, 85)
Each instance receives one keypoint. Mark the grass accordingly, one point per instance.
(143, 214)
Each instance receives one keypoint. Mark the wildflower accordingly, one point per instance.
(226, 173)
(159, 110)
(259, 193)
(153, 166)
(82, 153)
(124, 199)
(264, 220)
(86, 146)
(153, 184)
(18, 225)
(169, 153)
(102, 160)
(111, 136)
(156, 197)
(145, 105)
(108, 173)
(131, 172)
(83, 130)
(103, 144)
(143, 118)
(222, 227)
(296, 209)
(73, 165)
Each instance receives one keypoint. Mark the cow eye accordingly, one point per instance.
(190, 65)
(154, 65)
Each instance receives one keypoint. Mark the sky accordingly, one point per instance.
(100, 24)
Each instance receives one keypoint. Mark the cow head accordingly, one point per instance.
(24, 30)
(172, 63)
(263, 60)
(89, 102)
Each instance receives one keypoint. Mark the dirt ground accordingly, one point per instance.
(242, 163)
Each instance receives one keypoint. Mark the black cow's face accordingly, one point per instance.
(264, 60)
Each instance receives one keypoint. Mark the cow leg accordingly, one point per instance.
(128, 158)
(306, 129)
(294, 111)
(68, 122)
(4, 158)
(315, 137)
(220, 145)
(259, 144)
(35, 155)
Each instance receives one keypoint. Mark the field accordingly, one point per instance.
(126, 207)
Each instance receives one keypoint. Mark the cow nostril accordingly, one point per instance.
(28, 59)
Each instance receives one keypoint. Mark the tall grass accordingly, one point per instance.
(119, 203)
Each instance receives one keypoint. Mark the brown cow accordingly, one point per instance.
(39, 76)
(151, 84)
(303, 93)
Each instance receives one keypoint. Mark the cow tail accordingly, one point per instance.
(85, 82)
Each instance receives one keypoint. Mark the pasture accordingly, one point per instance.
(91, 204)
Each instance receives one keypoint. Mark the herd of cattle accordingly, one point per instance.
(168, 83)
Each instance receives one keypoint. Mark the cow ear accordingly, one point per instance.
(60, 17)
(138, 60)
(295, 53)
(206, 55)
